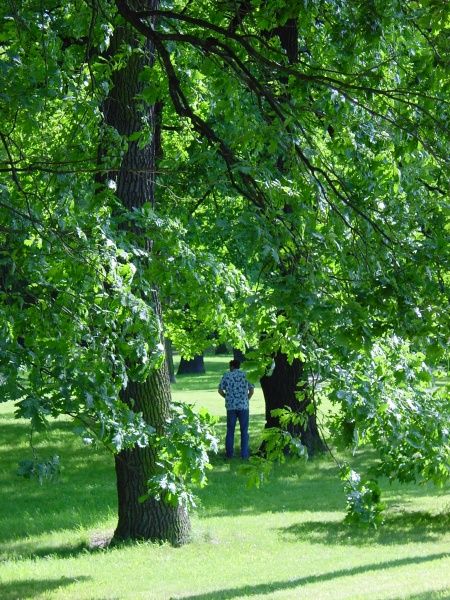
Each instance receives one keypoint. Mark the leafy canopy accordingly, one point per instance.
(301, 206)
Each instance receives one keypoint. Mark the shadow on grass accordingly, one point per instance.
(36, 587)
(85, 492)
(314, 486)
(311, 485)
(27, 550)
(399, 529)
(442, 594)
(277, 586)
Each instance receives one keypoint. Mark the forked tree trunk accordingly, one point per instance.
(279, 391)
(136, 186)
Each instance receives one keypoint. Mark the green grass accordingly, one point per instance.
(284, 541)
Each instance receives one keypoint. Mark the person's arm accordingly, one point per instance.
(221, 392)
(250, 392)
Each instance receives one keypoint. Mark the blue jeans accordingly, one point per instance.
(232, 417)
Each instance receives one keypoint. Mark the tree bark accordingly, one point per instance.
(279, 390)
(152, 519)
(135, 186)
(193, 366)
(169, 360)
(221, 349)
(238, 355)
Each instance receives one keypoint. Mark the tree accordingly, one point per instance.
(221, 349)
(135, 187)
(238, 355)
(193, 365)
(73, 229)
(282, 389)
(351, 279)
(359, 125)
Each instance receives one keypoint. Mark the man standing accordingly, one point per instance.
(237, 391)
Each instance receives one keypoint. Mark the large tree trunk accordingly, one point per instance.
(193, 366)
(135, 186)
(279, 391)
(151, 519)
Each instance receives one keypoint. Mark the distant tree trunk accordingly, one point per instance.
(135, 186)
(221, 349)
(279, 391)
(194, 366)
(238, 355)
(169, 360)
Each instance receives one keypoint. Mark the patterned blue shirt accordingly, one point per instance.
(235, 385)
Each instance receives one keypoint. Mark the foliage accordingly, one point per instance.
(301, 206)
(41, 469)
(78, 321)
(390, 400)
(182, 455)
(278, 444)
(363, 499)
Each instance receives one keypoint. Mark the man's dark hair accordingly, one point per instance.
(235, 364)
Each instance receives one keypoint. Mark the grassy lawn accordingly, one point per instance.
(285, 541)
